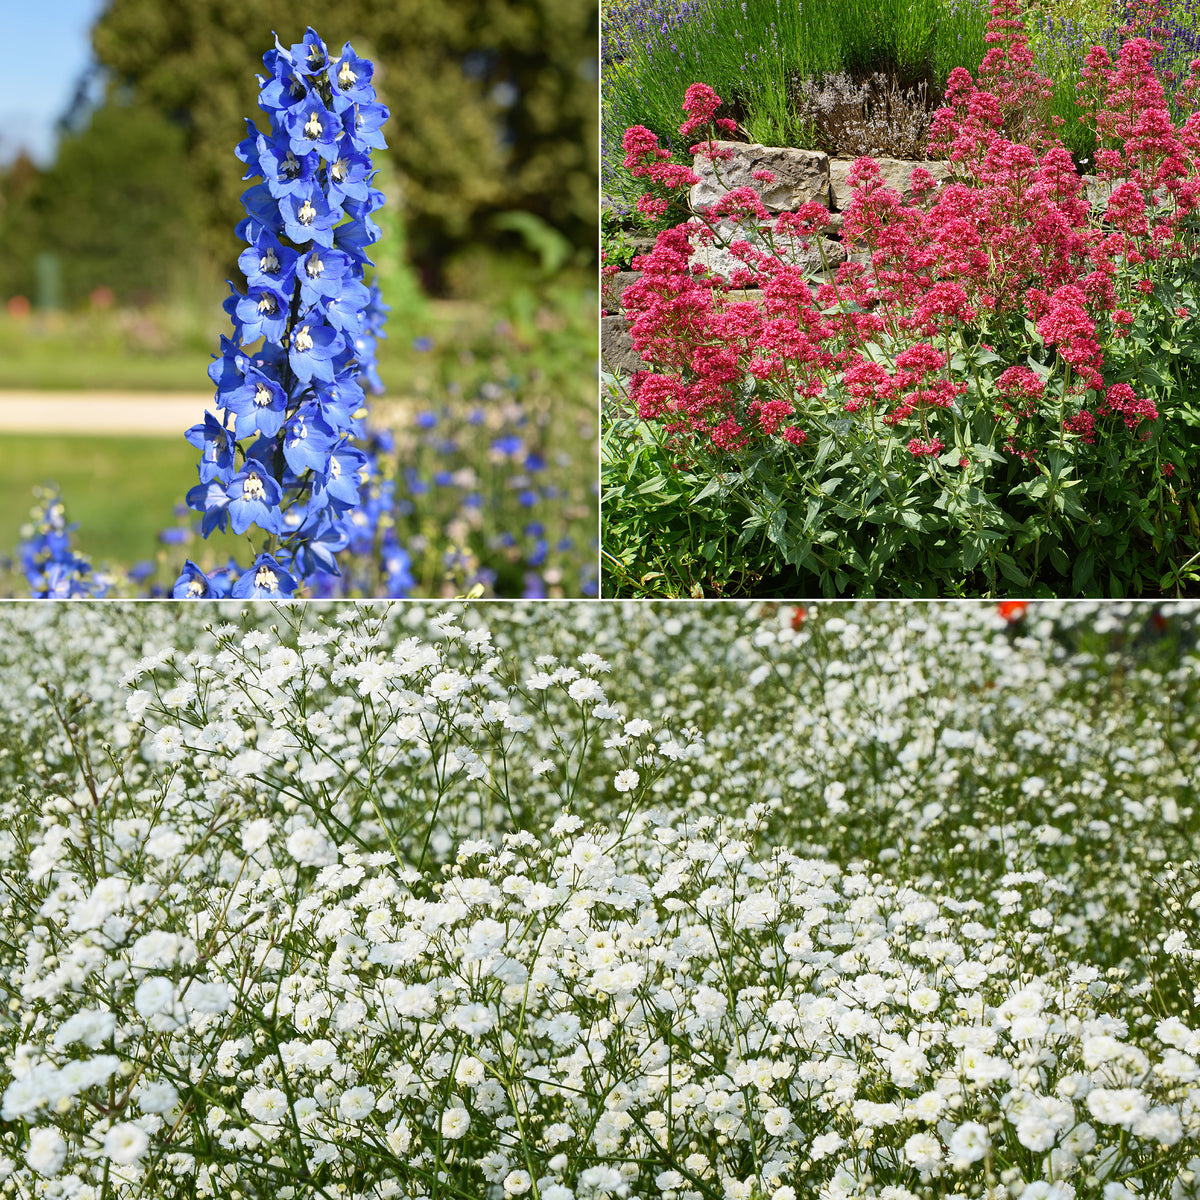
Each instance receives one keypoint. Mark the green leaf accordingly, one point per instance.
(1011, 571)
(1081, 576)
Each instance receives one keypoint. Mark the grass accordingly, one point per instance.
(121, 490)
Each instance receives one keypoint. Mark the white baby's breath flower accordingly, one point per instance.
(356, 1103)
(625, 781)
(455, 1123)
(46, 1152)
(310, 847)
(169, 744)
(125, 1143)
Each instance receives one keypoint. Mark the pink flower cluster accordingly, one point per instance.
(1007, 246)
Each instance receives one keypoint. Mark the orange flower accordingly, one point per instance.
(1013, 610)
(798, 616)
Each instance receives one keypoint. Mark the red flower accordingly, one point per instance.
(1013, 610)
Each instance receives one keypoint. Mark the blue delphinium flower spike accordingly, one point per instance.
(282, 459)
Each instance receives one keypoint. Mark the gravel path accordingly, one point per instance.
(153, 414)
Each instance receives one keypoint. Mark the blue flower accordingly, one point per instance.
(266, 580)
(308, 440)
(253, 499)
(313, 346)
(350, 78)
(193, 584)
(259, 404)
(300, 396)
(50, 564)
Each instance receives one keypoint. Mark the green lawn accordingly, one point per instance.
(122, 490)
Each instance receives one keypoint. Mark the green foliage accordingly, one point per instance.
(117, 208)
(673, 529)
(460, 151)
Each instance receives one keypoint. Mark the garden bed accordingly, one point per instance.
(971, 375)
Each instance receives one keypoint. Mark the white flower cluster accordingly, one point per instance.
(578, 901)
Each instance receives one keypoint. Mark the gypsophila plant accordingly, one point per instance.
(283, 457)
(682, 902)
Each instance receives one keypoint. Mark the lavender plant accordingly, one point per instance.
(282, 458)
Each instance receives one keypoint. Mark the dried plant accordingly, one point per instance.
(876, 116)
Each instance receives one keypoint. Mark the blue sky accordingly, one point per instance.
(48, 47)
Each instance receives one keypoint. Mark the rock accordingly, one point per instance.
(1099, 190)
(800, 176)
(896, 172)
(612, 287)
(617, 354)
(720, 261)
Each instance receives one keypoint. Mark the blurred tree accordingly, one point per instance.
(493, 102)
(117, 208)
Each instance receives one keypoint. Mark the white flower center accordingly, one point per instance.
(306, 213)
(313, 126)
(314, 266)
(269, 264)
(196, 588)
(338, 170)
(264, 577)
(262, 395)
(335, 469)
(291, 165)
(267, 304)
(253, 488)
(346, 77)
(302, 341)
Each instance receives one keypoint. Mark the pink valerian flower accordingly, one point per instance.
(713, 151)
(943, 305)
(1083, 424)
(920, 449)
(806, 221)
(1021, 382)
(1132, 409)
(1126, 209)
(763, 176)
(700, 103)
(729, 435)
(866, 380)
(641, 149)
(655, 396)
(741, 203)
(795, 435)
(966, 253)
(1072, 332)
(652, 207)
(921, 359)
(771, 414)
